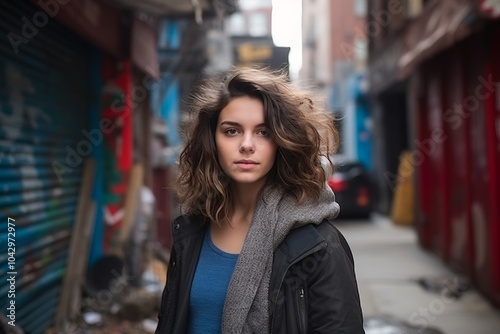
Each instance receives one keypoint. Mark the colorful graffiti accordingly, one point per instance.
(117, 151)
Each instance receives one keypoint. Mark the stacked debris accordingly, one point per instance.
(121, 308)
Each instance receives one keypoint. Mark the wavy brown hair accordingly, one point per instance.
(300, 126)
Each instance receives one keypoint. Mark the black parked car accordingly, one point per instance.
(353, 189)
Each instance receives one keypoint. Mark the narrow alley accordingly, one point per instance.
(405, 289)
(95, 107)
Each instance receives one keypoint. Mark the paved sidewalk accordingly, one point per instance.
(389, 262)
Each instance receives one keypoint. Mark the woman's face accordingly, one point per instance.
(245, 149)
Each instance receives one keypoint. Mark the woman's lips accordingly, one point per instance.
(246, 164)
(246, 161)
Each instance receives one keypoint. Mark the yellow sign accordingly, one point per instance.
(248, 52)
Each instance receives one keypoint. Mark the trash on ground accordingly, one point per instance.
(452, 287)
(391, 325)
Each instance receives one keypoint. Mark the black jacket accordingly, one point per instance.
(313, 287)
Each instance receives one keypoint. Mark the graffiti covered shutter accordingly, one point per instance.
(43, 110)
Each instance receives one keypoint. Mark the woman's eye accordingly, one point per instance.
(231, 131)
(263, 133)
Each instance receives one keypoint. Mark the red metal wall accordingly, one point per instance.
(459, 177)
(431, 147)
(491, 82)
(458, 136)
(424, 169)
(479, 174)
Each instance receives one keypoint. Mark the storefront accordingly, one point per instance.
(44, 106)
(50, 85)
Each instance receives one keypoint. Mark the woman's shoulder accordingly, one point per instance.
(326, 230)
(188, 219)
(187, 224)
(310, 235)
(330, 232)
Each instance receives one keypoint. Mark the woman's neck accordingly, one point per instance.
(244, 202)
(230, 235)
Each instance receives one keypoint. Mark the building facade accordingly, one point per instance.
(334, 64)
(433, 75)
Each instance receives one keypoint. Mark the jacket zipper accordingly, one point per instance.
(301, 308)
(313, 250)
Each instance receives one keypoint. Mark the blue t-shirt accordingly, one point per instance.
(209, 287)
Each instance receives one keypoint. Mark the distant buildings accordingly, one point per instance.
(250, 31)
(334, 64)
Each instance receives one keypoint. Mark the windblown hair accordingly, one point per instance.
(300, 126)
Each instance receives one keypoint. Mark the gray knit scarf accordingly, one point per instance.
(246, 308)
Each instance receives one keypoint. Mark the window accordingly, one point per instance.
(360, 8)
(257, 25)
(236, 24)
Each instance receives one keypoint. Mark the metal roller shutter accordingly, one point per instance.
(43, 111)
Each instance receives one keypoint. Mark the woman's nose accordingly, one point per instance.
(247, 144)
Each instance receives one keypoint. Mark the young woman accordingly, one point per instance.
(256, 250)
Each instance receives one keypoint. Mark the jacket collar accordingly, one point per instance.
(300, 241)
